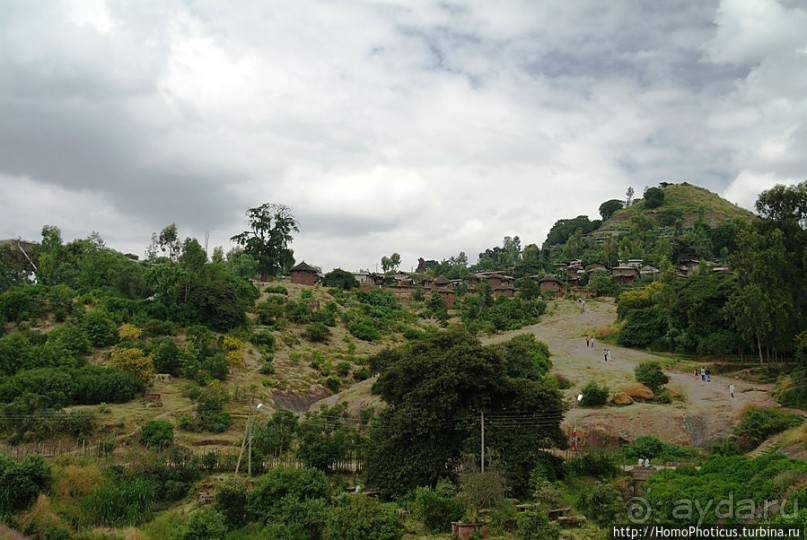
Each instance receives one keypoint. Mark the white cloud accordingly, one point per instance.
(416, 127)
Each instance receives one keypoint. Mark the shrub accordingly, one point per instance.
(343, 368)
(100, 328)
(437, 507)
(651, 375)
(157, 434)
(333, 383)
(267, 368)
(652, 448)
(602, 504)
(294, 499)
(21, 483)
(596, 464)
(263, 339)
(231, 501)
(361, 374)
(363, 518)
(205, 524)
(363, 331)
(535, 525)
(594, 395)
(759, 423)
(317, 332)
(277, 290)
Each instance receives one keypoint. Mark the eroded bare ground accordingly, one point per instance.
(705, 412)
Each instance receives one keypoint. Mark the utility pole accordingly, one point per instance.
(483, 441)
(249, 453)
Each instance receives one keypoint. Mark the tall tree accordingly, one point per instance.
(609, 208)
(436, 390)
(391, 263)
(268, 238)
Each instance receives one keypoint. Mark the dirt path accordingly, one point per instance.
(705, 413)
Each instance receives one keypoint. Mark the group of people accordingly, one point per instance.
(606, 354)
(644, 463)
(589, 341)
(706, 374)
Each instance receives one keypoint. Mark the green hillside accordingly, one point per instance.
(680, 200)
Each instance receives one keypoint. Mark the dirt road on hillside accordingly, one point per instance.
(705, 413)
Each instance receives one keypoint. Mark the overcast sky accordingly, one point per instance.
(424, 128)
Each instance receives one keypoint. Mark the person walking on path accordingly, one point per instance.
(732, 388)
(708, 375)
(703, 374)
(587, 341)
(592, 342)
(605, 355)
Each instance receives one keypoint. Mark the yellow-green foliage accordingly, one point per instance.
(235, 350)
(638, 298)
(134, 361)
(129, 332)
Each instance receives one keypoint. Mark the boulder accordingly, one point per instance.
(638, 391)
(621, 398)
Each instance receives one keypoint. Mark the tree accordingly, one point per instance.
(391, 263)
(133, 361)
(651, 375)
(782, 203)
(653, 197)
(435, 388)
(167, 242)
(268, 238)
(609, 208)
(341, 279)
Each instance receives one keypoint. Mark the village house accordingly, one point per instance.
(550, 283)
(449, 296)
(625, 274)
(505, 290)
(441, 282)
(305, 274)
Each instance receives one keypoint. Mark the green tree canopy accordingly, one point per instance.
(609, 208)
(268, 238)
(436, 389)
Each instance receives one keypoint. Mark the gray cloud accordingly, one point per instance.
(422, 128)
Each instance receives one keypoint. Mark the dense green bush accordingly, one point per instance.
(643, 327)
(292, 499)
(759, 423)
(363, 518)
(652, 448)
(341, 279)
(437, 507)
(535, 525)
(317, 332)
(651, 375)
(601, 465)
(21, 482)
(602, 504)
(205, 524)
(594, 395)
(363, 330)
(157, 433)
